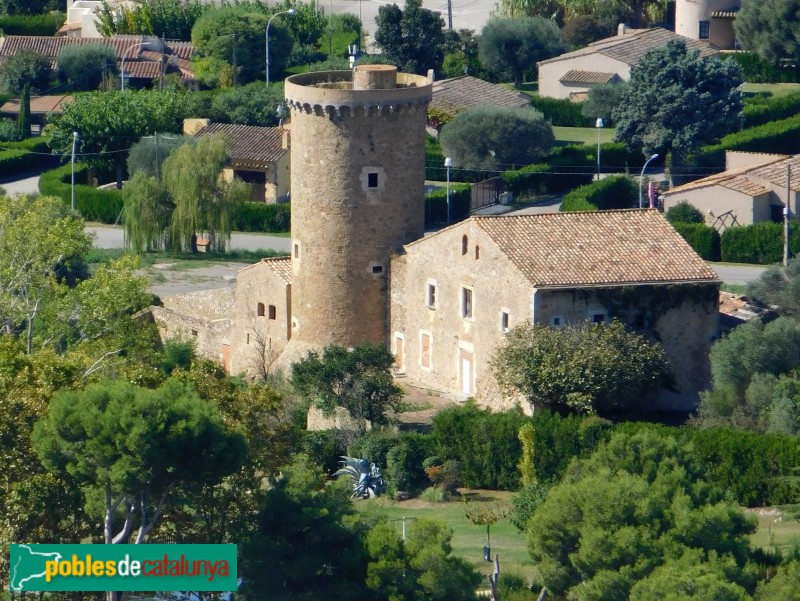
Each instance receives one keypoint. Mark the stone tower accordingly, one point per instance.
(708, 20)
(358, 172)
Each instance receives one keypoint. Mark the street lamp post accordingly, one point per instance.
(266, 36)
(599, 125)
(74, 144)
(125, 54)
(448, 162)
(641, 177)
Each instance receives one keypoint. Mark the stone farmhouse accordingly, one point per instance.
(573, 74)
(754, 188)
(361, 268)
(709, 20)
(259, 156)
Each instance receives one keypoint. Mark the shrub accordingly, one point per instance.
(14, 162)
(775, 137)
(374, 446)
(261, 217)
(404, 463)
(566, 168)
(765, 109)
(610, 193)
(757, 70)
(9, 130)
(683, 212)
(760, 243)
(436, 204)
(93, 204)
(561, 112)
(703, 239)
(44, 25)
(323, 448)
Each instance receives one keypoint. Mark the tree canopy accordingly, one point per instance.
(510, 48)
(584, 367)
(770, 28)
(26, 68)
(490, 137)
(168, 19)
(413, 37)
(677, 101)
(82, 68)
(638, 515)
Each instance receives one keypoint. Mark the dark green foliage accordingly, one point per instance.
(703, 239)
(525, 503)
(602, 101)
(251, 104)
(323, 448)
(373, 446)
(484, 443)
(412, 37)
(9, 130)
(24, 120)
(31, 7)
(261, 217)
(585, 29)
(26, 67)
(561, 112)
(763, 109)
(404, 462)
(565, 169)
(14, 162)
(760, 243)
(45, 25)
(757, 70)
(357, 379)
(93, 204)
(615, 192)
(436, 204)
(684, 213)
(775, 136)
(510, 48)
(149, 153)
(168, 19)
(783, 586)
(83, 68)
(778, 287)
(677, 101)
(770, 29)
(494, 137)
(178, 354)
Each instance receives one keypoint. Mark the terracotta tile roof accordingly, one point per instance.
(746, 179)
(39, 105)
(578, 76)
(776, 172)
(140, 62)
(745, 185)
(460, 93)
(630, 47)
(282, 266)
(250, 146)
(596, 248)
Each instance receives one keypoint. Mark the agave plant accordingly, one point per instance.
(367, 478)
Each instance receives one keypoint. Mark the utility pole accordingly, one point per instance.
(158, 162)
(787, 214)
(235, 68)
(449, 14)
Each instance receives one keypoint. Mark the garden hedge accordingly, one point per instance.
(760, 243)
(566, 168)
(14, 162)
(763, 109)
(261, 217)
(44, 25)
(436, 204)
(93, 204)
(703, 239)
(757, 70)
(614, 192)
(561, 112)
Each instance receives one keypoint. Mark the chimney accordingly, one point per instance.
(192, 126)
(285, 136)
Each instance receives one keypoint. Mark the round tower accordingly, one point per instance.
(358, 172)
(708, 20)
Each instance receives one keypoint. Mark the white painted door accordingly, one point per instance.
(466, 374)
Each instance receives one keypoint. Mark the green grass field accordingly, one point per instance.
(775, 89)
(779, 531)
(582, 135)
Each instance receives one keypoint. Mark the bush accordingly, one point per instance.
(261, 217)
(775, 137)
(93, 204)
(323, 448)
(44, 25)
(760, 243)
(9, 131)
(703, 239)
(761, 110)
(565, 169)
(374, 446)
(436, 204)
(14, 162)
(616, 192)
(757, 70)
(404, 463)
(683, 212)
(561, 112)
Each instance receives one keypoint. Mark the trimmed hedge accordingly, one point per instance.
(14, 162)
(561, 112)
(93, 204)
(436, 204)
(566, 168)
(757, 70)
(615, 192)
(45, 25)
(760, 243)
(761, 110)
(261, 217)
(703, 239)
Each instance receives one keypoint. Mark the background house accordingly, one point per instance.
(41, 107)
(571, 75)
(753, 189)
(259, 156)
(709, 20)
(457, 94)
(82, 17)
(456, 293)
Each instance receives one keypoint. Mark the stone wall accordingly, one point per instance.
(209, 336)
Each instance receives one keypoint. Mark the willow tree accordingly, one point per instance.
(147, 212)
(205, 200)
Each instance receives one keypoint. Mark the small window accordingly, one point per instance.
(557, 321)
(705, 29)
(372, 180)
(599, 318)
(477, 252)
(248, 338)
(464, 245)
(504, 321)
(273, 312)
(466, 303)
(260, 309)
(431, 296)
(194, 333)
(296, 251)
(377, 269)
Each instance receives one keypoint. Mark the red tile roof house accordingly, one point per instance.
(457, 94)
(146, 58)
(455, 293)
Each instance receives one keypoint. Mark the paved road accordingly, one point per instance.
(29, 185)
(108, 236)
(737, 274)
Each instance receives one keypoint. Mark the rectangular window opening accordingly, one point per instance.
(431, 300)
(372, 180)
(466, 303)
(504, 320)
(377, 269)
(273, 312)
(296, 251)
(705, 30)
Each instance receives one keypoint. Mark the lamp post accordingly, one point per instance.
(641, 177)
(448, 162)
(74, 144)
(599, 125)
(266, 36)
(124, 55)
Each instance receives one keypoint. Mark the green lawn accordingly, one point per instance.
(468, 540)
(776, 89)
(582, 135)
(777, 531)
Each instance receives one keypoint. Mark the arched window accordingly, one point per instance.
(464, 245)
(260, 309)
(477, 252)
